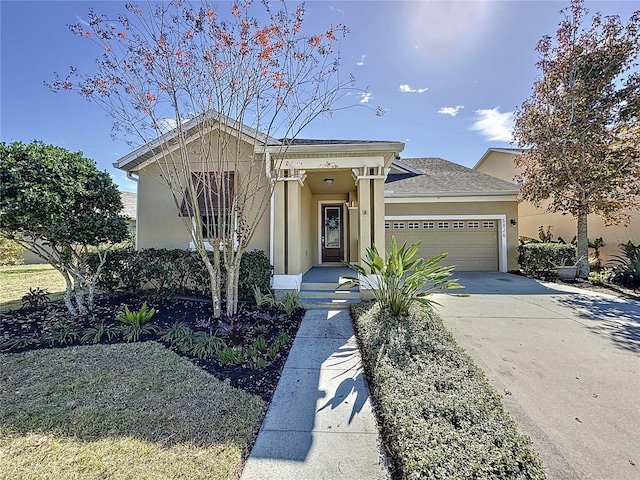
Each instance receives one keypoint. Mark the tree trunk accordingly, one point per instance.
(78, 286)
(67, 294)
(232, 286)
(583, 247)
(214, 284)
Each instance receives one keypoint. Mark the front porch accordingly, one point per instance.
(327, 207)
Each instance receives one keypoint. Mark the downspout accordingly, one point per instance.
(130, 176)
(272, 209)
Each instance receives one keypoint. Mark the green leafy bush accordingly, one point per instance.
(166, 273)
(440, 417)
(627, 269)
(399, 281)
(539, 258)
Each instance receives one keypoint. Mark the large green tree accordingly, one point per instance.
(56, 204)
(580, 125)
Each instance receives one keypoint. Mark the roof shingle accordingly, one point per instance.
(441, 177)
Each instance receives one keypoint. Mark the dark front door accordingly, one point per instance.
(332, 233)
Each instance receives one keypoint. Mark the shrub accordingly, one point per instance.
(166, 273)
(136, 323)
(37, 297)
(537, 258)
(400, 281)
(440, 417)
(627, 269)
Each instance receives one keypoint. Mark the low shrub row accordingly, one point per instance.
(166, 273)
(440, 417)
(542, 258)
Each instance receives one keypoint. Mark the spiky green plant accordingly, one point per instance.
(399, 281)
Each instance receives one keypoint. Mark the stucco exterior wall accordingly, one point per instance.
(507, 208)
(159, 223)
(530, 218)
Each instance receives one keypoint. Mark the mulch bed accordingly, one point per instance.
(193, 312)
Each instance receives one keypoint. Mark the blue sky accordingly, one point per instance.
(449, 74)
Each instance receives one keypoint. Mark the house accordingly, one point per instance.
(129, 209)
(332, 199)
(498, 162)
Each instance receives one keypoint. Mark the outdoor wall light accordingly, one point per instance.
(513, 222)
(328, 181)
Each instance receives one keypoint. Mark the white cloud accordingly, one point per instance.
(494, 125)
(407, 89)
(338, 10)
(365, 97)
(361, 61)
(453, 111)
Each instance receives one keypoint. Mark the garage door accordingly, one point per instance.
(472, 245)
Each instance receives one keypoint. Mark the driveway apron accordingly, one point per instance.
(566, 362)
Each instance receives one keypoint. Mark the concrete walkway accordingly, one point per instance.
(320, 424)
(567, 362)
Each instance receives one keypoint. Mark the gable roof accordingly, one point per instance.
(514, 151)
(152, 148)
(438, 177)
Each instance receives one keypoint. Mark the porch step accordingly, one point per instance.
(326, 295)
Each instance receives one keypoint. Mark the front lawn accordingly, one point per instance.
(120, 411)
(16, 280)
(440, 417)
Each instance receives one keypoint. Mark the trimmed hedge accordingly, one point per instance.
(537, 258)
(166, 273)
(440, 417)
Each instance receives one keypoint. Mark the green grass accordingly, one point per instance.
(440, 417)
(16, 280)
(120, 411)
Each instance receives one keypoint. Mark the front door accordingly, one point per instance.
(332, 233)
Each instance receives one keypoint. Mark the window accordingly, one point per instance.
(414, 225)
(443, 225)
(398, 225)
(428, 225)
(214, 209)
(457, 225)
(215, 223)
(488, 224)
(387, 226)
(206, 186)
(473, 224)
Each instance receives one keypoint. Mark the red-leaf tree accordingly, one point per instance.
(171, 75)
(580, 125)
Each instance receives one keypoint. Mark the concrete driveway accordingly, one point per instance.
(567, 363)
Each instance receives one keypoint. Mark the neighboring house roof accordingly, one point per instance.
(129, 205)
(515, 151)
(438, 177)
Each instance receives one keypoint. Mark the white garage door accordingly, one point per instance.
(472, 245)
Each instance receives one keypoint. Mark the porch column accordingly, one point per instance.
(279, 229)
(294, 228)
(378, 216)
(353, 228)
(364, 231)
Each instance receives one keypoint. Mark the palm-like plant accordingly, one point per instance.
(399, 281)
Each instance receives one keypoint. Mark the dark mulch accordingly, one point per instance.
(33, 322)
